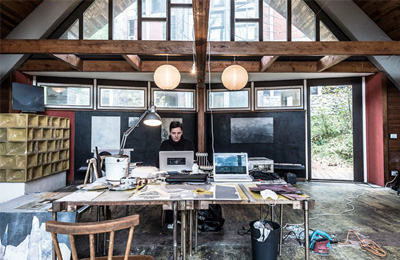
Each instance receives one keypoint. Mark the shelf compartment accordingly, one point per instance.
(55, 156)
(7, 162)
(30, 133)
(66, 133)
(58, 144)
(42, 145)
(51, 145)
(16, 175)
(37, 172)
(16, 148)
(16, 134)
(38, 134)
(63, 122)
(3, 134)
(32, 160)
(39, 159)
(56, 122)
(47, 133)
(65, 165)
(32, 147)
(65, 144)
(7, 120)
(43, 121)
(64, 154)
(47, 170)
(3, 148)
(33, 120)
(59, 133)
(20, 161)
(3, 175)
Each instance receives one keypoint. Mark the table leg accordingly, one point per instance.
(281, 231)
(272, 212)
(183, 234)
(98, 235)
(175, 230)
(261, 217)
(196, 223)
(306, 231)
(190, 231)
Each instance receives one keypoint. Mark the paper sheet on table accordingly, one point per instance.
(81, 196)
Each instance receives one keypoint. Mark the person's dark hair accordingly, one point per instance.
(175, 124)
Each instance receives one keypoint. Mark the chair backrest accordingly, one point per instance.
(91, 229)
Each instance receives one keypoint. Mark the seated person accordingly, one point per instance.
(175, 142)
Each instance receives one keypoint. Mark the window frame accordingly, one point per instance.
(249, 98)
(154, 89)
(99, 106)
(66, 85)
(257, 107)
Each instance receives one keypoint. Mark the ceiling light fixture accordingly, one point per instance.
(167, 77)
(234, 77)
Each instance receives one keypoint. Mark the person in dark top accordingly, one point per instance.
(176, 141)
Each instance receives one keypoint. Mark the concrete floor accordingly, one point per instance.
(375, 216)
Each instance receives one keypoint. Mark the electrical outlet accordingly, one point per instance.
(394, 173)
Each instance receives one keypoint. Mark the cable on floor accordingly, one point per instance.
(389, 182)
(348, 203)
(367, 244)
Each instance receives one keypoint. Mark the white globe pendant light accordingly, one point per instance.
(167, 77)
(234, 77)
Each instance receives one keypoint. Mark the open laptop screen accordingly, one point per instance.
(176, 160)
(230, 163)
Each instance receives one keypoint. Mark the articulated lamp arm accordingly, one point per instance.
(128, 132)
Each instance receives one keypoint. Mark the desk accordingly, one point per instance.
(186, 203)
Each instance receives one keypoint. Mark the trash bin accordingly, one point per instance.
(268, 249)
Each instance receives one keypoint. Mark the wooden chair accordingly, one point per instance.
(91, 229)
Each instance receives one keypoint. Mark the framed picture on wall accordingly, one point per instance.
(252, 130)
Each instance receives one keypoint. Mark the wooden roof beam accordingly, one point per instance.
(200, 16)
(71, 59)
(330, 61)
(267, 61)
(120, 47)
(134, 61)
(186, 66)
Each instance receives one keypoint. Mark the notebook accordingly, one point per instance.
(176, 160)
(231, 167)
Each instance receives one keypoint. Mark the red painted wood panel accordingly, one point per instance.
(374, 123)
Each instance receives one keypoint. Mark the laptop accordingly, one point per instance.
(231, 167)
(176, 160)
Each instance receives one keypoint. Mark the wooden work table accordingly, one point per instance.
(185, 202)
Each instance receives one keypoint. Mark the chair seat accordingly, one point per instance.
(91, 229)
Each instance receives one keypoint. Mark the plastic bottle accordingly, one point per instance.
(195, 168)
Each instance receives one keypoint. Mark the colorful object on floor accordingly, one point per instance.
(367, 244)
(320, 242)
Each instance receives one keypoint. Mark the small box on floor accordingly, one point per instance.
(290, 178)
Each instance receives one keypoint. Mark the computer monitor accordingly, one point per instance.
(176, 160)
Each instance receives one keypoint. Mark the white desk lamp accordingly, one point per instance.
(151, 118)
(117, 166)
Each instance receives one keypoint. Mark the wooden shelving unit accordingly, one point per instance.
(32, 146)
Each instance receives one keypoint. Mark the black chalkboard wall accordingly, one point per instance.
(288, 143)
(145, 140)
